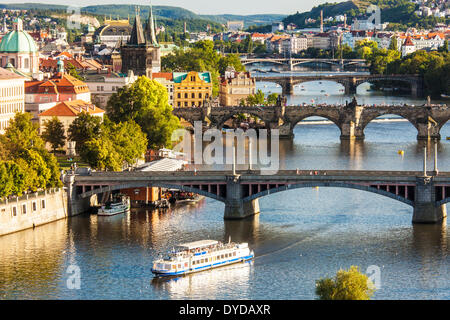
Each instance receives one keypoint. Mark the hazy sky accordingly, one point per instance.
(206, 6)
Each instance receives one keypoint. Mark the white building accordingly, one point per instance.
(102, 86)
(12, 97)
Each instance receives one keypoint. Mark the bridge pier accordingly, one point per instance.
(425, 209)
(428, 130)
(75, 205)
(235, 207)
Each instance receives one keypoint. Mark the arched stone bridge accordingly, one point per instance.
(350, 82)
(240, 192)
(351, 119)
(291, 62)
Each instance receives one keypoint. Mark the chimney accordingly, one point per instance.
(321, 21)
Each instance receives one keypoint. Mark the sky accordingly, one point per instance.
(242, 7)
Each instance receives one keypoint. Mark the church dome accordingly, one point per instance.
(18, 40)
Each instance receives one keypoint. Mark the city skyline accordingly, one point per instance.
(205, 6)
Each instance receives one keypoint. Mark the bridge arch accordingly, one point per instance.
(317, 113)
(146, 184)
(367, 118)
(330, 184)
(221, 121)
(412, 83)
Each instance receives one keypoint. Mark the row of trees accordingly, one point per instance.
(25, 164)
(434, 66)
(258, 99)
(138, 116)
(201, 57)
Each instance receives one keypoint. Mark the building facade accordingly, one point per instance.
(166, 79)
(235, 86)
(12, 97)
(141, 53)
(19, 49)
(191, 89)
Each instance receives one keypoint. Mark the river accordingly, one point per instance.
(299, 236)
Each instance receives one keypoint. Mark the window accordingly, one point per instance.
(179, 266)
(34, 206)
(24, 208)
(193, 95)
(43, 204)
(179, 95)
(186, 95)
(174, 267)
(14, 211)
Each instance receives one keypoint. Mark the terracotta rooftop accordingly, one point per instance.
(6, 74)
(71, 109)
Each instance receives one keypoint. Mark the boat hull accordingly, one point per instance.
(203, 268)
(100, 212)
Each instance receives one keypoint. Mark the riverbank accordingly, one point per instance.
(32, 210)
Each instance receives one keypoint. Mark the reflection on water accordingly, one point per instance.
(307, 233)
(233, 279)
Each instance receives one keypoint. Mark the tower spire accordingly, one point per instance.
(151, 34)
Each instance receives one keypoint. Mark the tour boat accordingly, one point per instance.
(201, 255)
(120, 205)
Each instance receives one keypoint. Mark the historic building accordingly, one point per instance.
(103, 85)
(19, 49)
(166, 79)
(141, 53)
(235, 86)
(191, 89)
(67, 112)
(44, 94)
(12, 97)
(111, 33)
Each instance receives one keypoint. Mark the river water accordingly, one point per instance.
(299, 236)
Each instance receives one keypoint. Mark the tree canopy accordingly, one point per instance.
(147, 103)
(25, 164)
(346, 285)
(201, 57)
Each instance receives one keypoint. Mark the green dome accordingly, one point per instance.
(18, 41)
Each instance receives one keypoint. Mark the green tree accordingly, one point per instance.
(85, 127)
(272, 99)
(54, 133)
(346, 285)
(71, 70)
(145, 102)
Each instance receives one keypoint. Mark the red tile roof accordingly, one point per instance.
(71, 109)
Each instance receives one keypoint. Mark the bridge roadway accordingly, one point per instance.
(292, 62)
(349, 81)
(351, 119)
(240, 193)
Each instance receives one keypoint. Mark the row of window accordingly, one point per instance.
(186, 104)
(219, 257)
(193, 96)
(12, 107)
(24, 207)
(14, 91)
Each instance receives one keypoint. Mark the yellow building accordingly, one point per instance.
(191, 88)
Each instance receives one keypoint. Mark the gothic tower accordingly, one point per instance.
(141, 53)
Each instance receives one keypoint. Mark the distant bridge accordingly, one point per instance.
(240, 192)
(351, 119)
(292, 62)
(350, 82)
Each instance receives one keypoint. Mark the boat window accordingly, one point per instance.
(222, 256)
(206, 260)
(174, 266)
(185, 264)
(234, 254)
(179, 265)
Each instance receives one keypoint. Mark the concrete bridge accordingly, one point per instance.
(240, 191)
(336, 64)
(351, 119)
(350, 82)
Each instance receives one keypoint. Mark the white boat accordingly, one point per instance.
(120, 205)
(201, 255)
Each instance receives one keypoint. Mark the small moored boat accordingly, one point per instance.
(201, 255)
(119, 204)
